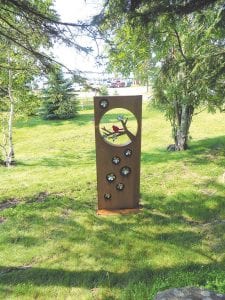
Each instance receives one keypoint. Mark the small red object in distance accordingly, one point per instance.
(116, 129)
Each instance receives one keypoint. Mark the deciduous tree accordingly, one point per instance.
(17, 97)
(176, 49)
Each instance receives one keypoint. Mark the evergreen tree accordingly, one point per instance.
(59, 101)
(27, 23)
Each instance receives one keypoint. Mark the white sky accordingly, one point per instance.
(72, 11)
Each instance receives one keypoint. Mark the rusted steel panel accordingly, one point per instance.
(118, 166)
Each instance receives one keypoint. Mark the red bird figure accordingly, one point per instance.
(116, 129)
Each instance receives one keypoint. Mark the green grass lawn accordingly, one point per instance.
(54, 246)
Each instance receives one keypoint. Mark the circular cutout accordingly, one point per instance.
(110, 177)
(118, 127)
(125, 171)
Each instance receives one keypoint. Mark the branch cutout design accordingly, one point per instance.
(118, 127)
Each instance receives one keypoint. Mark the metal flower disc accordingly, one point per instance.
(125, 171)
(120, 186)
(128, 152)
(111, 177)
(107, 196)
(115, 160)
(104, 103)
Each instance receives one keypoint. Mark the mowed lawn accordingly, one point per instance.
(54, 246)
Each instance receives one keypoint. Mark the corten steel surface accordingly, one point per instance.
(124, 211)
(128, 198)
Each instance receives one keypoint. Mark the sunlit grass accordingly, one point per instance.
(52, 243)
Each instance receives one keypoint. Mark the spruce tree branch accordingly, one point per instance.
(30, 50)
(27, 7)
(12, 68)
(192, 5)
(188, 7)
(11, 26)
(43, 58)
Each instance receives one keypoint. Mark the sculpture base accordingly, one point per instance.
(125, 211)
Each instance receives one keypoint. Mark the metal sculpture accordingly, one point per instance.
(118, 149)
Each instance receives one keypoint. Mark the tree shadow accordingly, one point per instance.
(36, 121)
(210, 150)
(198, 273)
(191, 207)
(26, 241)
(83, 118)
(102, 237)
(80, 119)
(62, 160)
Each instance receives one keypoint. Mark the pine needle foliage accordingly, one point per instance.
(59, 100)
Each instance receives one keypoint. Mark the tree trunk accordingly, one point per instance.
(4, 142)
(184, 118)
(10, 156)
